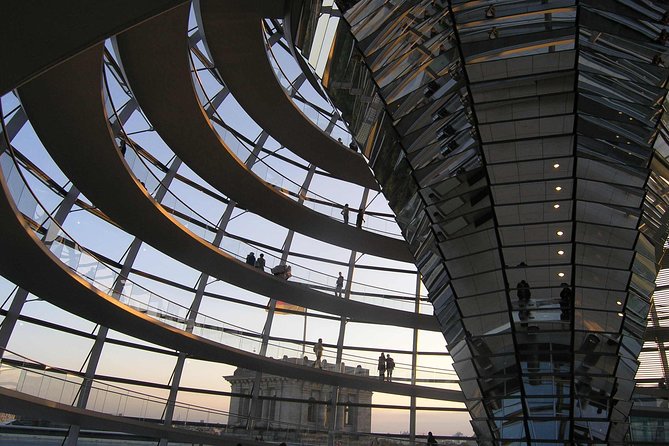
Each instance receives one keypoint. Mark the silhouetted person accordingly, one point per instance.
(382, 366)
(251, 259)
(523, 292)
(566, 297)
(340, 285)
(260, 262)
(431, 441)
(353, 146)
(344, 213)
(390, 365)
(360, 219)
(123, 147)
(318, 349)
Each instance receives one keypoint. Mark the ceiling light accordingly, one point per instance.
(560, 274)
(556, 205)
(558, 188)
(561, 252)
(617, 136)
(620, 314)
(559, 233)
(618, 302)
(620, 113)
(556, 165)
(631, 119)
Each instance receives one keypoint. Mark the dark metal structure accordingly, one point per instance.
(523, 147)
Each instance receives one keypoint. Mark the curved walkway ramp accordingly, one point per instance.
(65, 106)
(234, 37)
(155, 59)
(659, 334)
(33, 407)
(39, 35)
(60, 286)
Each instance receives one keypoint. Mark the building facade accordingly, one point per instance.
(315, 415)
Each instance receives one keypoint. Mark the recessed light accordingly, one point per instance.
(559, 233)
(560, 274)
(628, 143)
(620, 113)
(561, 252)
(558, 188)
(556, 205)
(556, 165)
(617, 136)
(618, 302)
(631, 119)
(620, 314)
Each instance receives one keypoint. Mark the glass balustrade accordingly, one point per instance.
(106, 278)
(29, 377)
(244, 152)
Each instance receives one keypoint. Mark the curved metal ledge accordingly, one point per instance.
(40, 408)
(65, 106)
(234, 37)
(155, 59)
(39, 35)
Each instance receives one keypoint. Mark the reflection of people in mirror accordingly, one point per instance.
(566, 297)
(524, 294)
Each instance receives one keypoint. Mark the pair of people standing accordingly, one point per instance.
(385, 367)
(257, 263)
(358, 221)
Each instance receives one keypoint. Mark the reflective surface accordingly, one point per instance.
(521, 146)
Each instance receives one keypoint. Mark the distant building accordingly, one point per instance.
(315, 414)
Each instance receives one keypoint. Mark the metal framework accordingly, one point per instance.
(521, 146)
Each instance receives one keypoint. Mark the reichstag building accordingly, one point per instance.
(334, 222)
